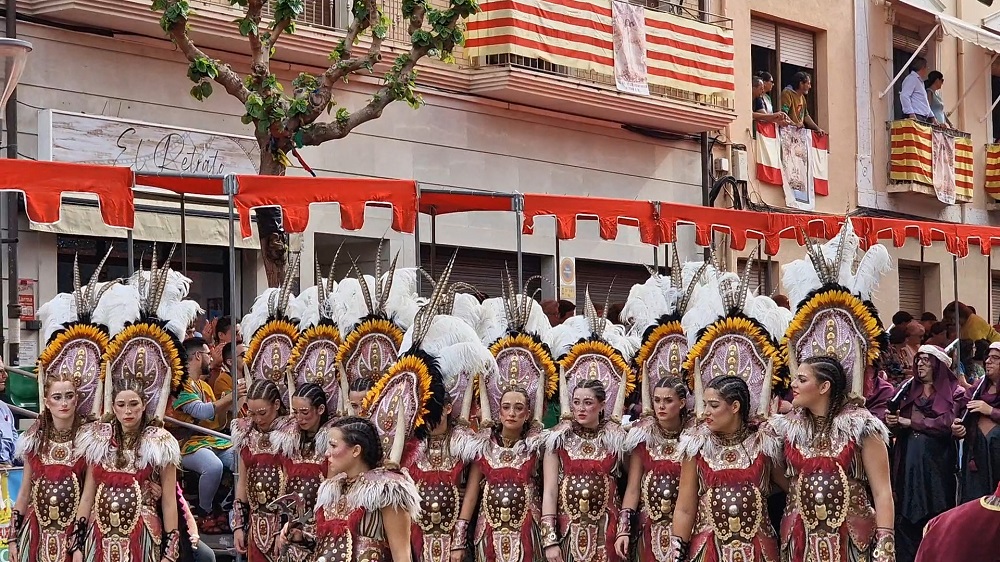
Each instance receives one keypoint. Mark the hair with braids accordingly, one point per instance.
(361, 384)
(733, 389)
(263, 389)
(361, 432)
(316, 397)
(600, 393)
(829, 369)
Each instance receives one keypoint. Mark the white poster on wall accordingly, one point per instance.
(630, 47)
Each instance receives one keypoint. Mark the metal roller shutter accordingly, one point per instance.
(911, 290)
(600, 276)
(995, 297)
(479, 268)
(763, 34)
(796, 47)
(758, 276)
(908, 40)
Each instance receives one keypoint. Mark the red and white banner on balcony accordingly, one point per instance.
(681, 53)
(796, 159)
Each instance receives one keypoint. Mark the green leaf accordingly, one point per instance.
(299, 138)
(343, 115)
(246, 119)
(158, 5)
(248, 27)
(305, 81)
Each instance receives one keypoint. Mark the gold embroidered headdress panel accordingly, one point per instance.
(75, 350)
(835, 316)
(146, 357)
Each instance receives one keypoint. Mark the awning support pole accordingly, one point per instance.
(434, 242)
(909, 61)
(656, 247)
(989, 281)
(130, 248)
(990, 112)
(184, 246)
(518, 202)
(974, 82)
(416, 242)
(231, 187)
(958, 323)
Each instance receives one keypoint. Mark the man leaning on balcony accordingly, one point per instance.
(913, 95)
(793, 102)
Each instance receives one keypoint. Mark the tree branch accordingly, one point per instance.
(276, 32)
(259, 65)
(319, 133)
(227, 78)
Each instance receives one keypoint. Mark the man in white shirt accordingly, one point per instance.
(913, 95)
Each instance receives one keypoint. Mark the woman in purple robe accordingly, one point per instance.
(920, 416)
(878, 390)
(980, 468)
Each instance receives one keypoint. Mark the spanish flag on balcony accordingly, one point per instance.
(770, 164)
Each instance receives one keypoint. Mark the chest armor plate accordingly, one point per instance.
(659, 494)
(55, 502)
(439, 507)
(337, 549)
(584, 496)
(117, 508)
(265, 482)
(822, 499)
(736, 512)
(506, 504)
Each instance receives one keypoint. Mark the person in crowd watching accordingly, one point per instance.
(927, 320)
(913, 94)
(901, 318)
(973, 326)
(558, 311)
(8, 432)
(223, 334)
(793, 102)
(933, 83)
(762, 112)
(223, 384)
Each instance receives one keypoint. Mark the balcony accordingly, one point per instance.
(562, 57)
(795, 159)
(934, 161)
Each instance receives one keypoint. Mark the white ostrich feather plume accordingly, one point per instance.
(349, 303)
(404, 301)
(174, 307)
(259, 312)
(492, 320)
(645, 304)
(55, 313)
(118, 306)
(467, 308)
(309, 301)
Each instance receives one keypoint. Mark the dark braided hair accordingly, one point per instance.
(600, 393)
(680, 388)
(317, 399)
(733, 389)
(263, 389)
(829, 369)
(361, 432)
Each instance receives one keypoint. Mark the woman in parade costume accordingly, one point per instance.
(980, 466)
(729, 463)
(840, 501)
(655, 468)
(505, 474)
(583, 453)
(924, 457)
(364, 511)
(305, 456)
(130, 453)
(840, 505)
(260, 441)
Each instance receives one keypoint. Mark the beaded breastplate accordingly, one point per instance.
(55, 492)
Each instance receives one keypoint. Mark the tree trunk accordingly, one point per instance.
(271, 233)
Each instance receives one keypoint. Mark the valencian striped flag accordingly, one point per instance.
(681, 53)
(912, 149)
(993, 171)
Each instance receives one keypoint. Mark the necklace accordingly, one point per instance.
(436, 448)
(60, 435)
(821, 431)
(733, 439)
(586, 432)
(507, 443)
(129, 440)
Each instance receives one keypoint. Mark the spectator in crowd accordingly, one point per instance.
(933, 83)
(8, 432)
(927, 320)
(793, 102)
(205, 455)
(905, 339)
(937, 335)
(615, 312)
(913, 94)
(223, 383)
(973, 326)
(222, 334)
(782, 301)
(767, 81)
(974, 356)
(762, 111)
(558, 311)
(900, 318)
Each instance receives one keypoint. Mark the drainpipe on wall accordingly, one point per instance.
(13, 307)
(864, 169)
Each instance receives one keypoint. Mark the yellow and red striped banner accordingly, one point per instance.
(910, 152)
(964, 183)
(993, 171)
(681, 53)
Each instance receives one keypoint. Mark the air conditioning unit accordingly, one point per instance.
(740, 164)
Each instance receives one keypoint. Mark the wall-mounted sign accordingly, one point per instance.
(26, 298)
(567, 279)
(145, 147)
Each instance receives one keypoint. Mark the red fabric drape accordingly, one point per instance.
(439, 203)
(609, 213)
(294, 195)
(44, 183)
(182, 186)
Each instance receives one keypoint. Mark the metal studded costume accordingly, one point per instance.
(736, 335)
(508, 526)
(74, 353)
(590, 461)
(146, 357)
(829, 515)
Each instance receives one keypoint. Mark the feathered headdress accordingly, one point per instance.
(75, 350)
(314, 357)
(147, 356)
(273, 325)
(442, 356)
(524, 363)
(371, 337)
(655, 309)
(835, 316)
(590, 347)
(735, 333)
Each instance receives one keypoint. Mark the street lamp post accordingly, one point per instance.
(13, 57)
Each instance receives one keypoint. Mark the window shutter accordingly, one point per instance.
(796, 47)
(907, 40)
(995, 296)
(911, 290)
(477, 267)
(758, 281)
(763, 34)
(601, 276)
